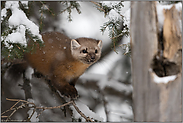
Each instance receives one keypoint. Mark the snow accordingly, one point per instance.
(30, 100)
(29, 72)
(30, 111)
(19, 19)
(127, 17)
(33, 118)
(86, 24)
(89, 22)
(122, 109)
(103, 81)
(85, 110)
(17, 37)
(164, 80)
(105, 66)
(112, 14)
(119, 109)
(124, 10)
(3, 14)
(100, 110)
(110, 3)
(25, 2)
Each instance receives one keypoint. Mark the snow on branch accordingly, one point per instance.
(83, 109)
(18, 23)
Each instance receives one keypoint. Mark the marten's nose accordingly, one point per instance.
(92, 56)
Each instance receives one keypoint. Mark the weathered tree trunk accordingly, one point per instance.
(156, 56)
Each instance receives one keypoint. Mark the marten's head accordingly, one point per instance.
(86, 50)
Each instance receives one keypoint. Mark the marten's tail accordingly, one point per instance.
(16, 71)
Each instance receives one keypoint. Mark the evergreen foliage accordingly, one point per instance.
(69, 6)
(115, 23)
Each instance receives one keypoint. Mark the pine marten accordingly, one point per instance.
(63, 60)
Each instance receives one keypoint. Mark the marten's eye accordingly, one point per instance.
(84, 51)
(96, 51)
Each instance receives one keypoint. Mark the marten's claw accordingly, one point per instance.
(69, 91)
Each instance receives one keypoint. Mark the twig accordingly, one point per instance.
(20, 48)
(21, 101)
(32, 114)
(81, 113)
(43, 109)
(40, 113)
(55, 106)
(26, 103)
(6, 111)
(60, 97)
(10, 115)
(101, 8)
(117, 36)
(11, 109)
(114, 41)
(47, 8)
(15, 109)
(15, 104)
(65, 9)
(40, 107)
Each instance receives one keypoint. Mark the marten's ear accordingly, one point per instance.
(100, 44)
(74, 44)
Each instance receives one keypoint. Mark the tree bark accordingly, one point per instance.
(153, 101)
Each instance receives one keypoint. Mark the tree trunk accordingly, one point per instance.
(156, 64)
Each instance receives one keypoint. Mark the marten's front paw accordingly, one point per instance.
(69, 91)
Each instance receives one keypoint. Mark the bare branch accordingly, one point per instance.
(101, 8)
(54, 106)
(47, 8)
(81, 113)
(14, 109)
(15, 104)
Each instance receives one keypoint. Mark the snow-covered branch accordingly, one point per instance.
(19, 23)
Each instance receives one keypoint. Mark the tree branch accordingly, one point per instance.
(14, 109)
(82, 114)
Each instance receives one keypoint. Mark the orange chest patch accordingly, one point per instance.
(75, 70)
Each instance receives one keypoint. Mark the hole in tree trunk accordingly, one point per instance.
(163, 67)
